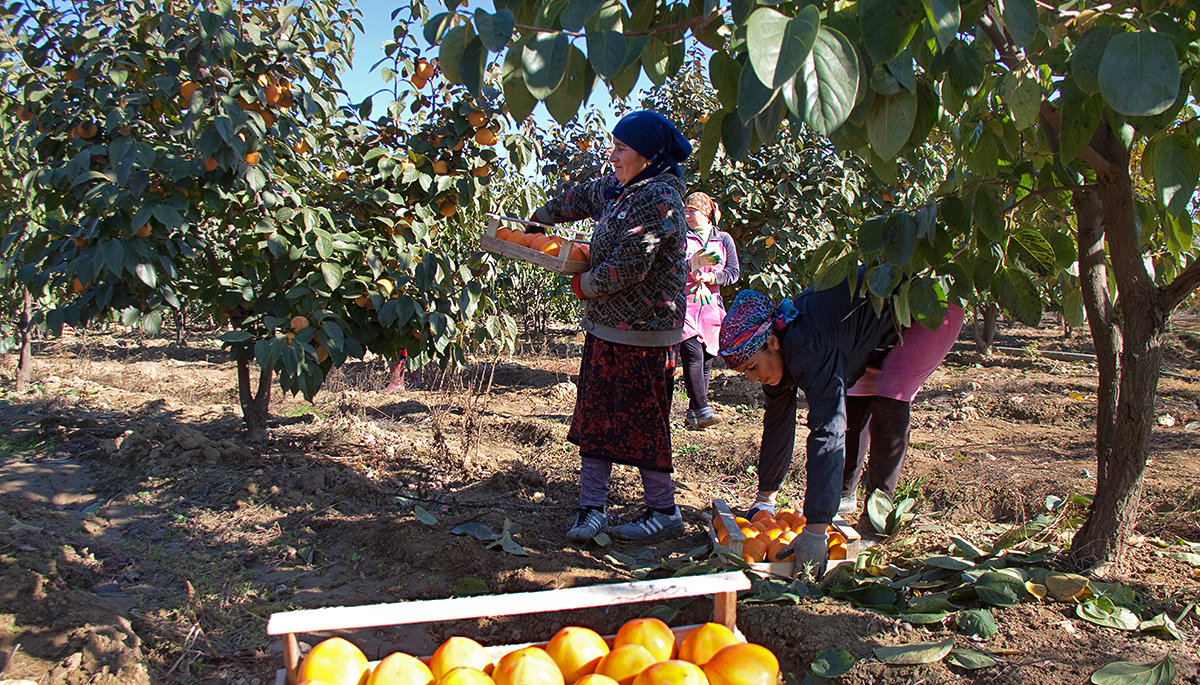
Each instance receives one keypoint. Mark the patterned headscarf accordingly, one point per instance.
(704, 204)
(750, 321)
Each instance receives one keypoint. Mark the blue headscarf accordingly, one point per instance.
(656, 139)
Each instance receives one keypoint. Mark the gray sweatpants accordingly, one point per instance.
(659, 491)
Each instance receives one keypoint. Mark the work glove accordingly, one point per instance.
(702, 259)
(703, 294)
(530, 228)
(807, 548)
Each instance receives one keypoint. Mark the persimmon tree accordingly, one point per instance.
(201, 157)
(1044, 110)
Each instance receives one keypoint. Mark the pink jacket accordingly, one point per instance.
(705, 320)
(910, 362)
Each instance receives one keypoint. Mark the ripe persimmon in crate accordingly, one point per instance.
(564, 254)
(644, 651)
(760, 540)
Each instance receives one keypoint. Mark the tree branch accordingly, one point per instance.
(1046, 191)
(1178, 290)
(695, 23)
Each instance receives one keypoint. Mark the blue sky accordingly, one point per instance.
(368, 49)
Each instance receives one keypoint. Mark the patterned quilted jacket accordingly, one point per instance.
(635, 288)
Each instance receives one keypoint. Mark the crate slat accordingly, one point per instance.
(456, 608)
(488, 241)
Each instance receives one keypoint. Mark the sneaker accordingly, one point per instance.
(760, 506)
(705, 417)
(589, 523)
(848, 505)
(649, 525)
(690, 419)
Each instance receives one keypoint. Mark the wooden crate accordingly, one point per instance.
(720, 510)
(723, 586)
(560, 264)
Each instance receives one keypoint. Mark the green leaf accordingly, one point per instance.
(970, 659)
(1103, 612)
(453, 50)
(606, 51)
(147, 274)
(332, 273)
(944, 16)
(985, 214)
(963, 545)
(480, 530)
(890, 122)
(1086, 58)
(888, 25)
(1000, 589)
(1024, 101)
(833, 663)
(1080, 117)
(710, 139)
(1163, 626)
(544, 62)
(577, 12)
(976, 623)
(494, 30)
(1018, 295)
(779, 44)
(1176, 171)
(469, 586)
(964, 69)
(823, 92)
(919, 618)
(512, 82)
(882, 281)
(735, 135)
(656, 62)
(724, 73)
(1034, 251)
(879, 505)
(916, 653)
(948, 563)
(424, 516)
(753, 95)
(928, 302)
(1186, 557)
(471, 68)
(1131, 673)
(1139, 74)
(563, 104)
(437, 26)
(1020, 17)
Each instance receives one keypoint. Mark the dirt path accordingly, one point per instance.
(146, 543)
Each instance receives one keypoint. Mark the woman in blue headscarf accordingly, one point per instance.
(633, 317)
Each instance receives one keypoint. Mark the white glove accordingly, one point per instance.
(808, 548)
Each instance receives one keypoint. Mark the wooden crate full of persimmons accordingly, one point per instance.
(645, 651)
(564, 253)
(759, 541)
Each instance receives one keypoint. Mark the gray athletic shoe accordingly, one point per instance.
(650, 525)
(589, 522)
(705, 418)
(848, 505)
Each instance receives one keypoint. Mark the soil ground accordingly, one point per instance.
(147, 542)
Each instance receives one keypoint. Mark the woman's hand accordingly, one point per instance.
(707, 277)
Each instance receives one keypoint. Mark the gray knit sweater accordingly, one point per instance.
(635, 287)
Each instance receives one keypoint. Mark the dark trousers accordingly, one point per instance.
(697, 366)
(879, 425)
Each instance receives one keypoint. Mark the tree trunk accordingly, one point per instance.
(1102, 320)
(254, 407)
(985, 337)
(179, 328)
(1120, 472)
(25, 361)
